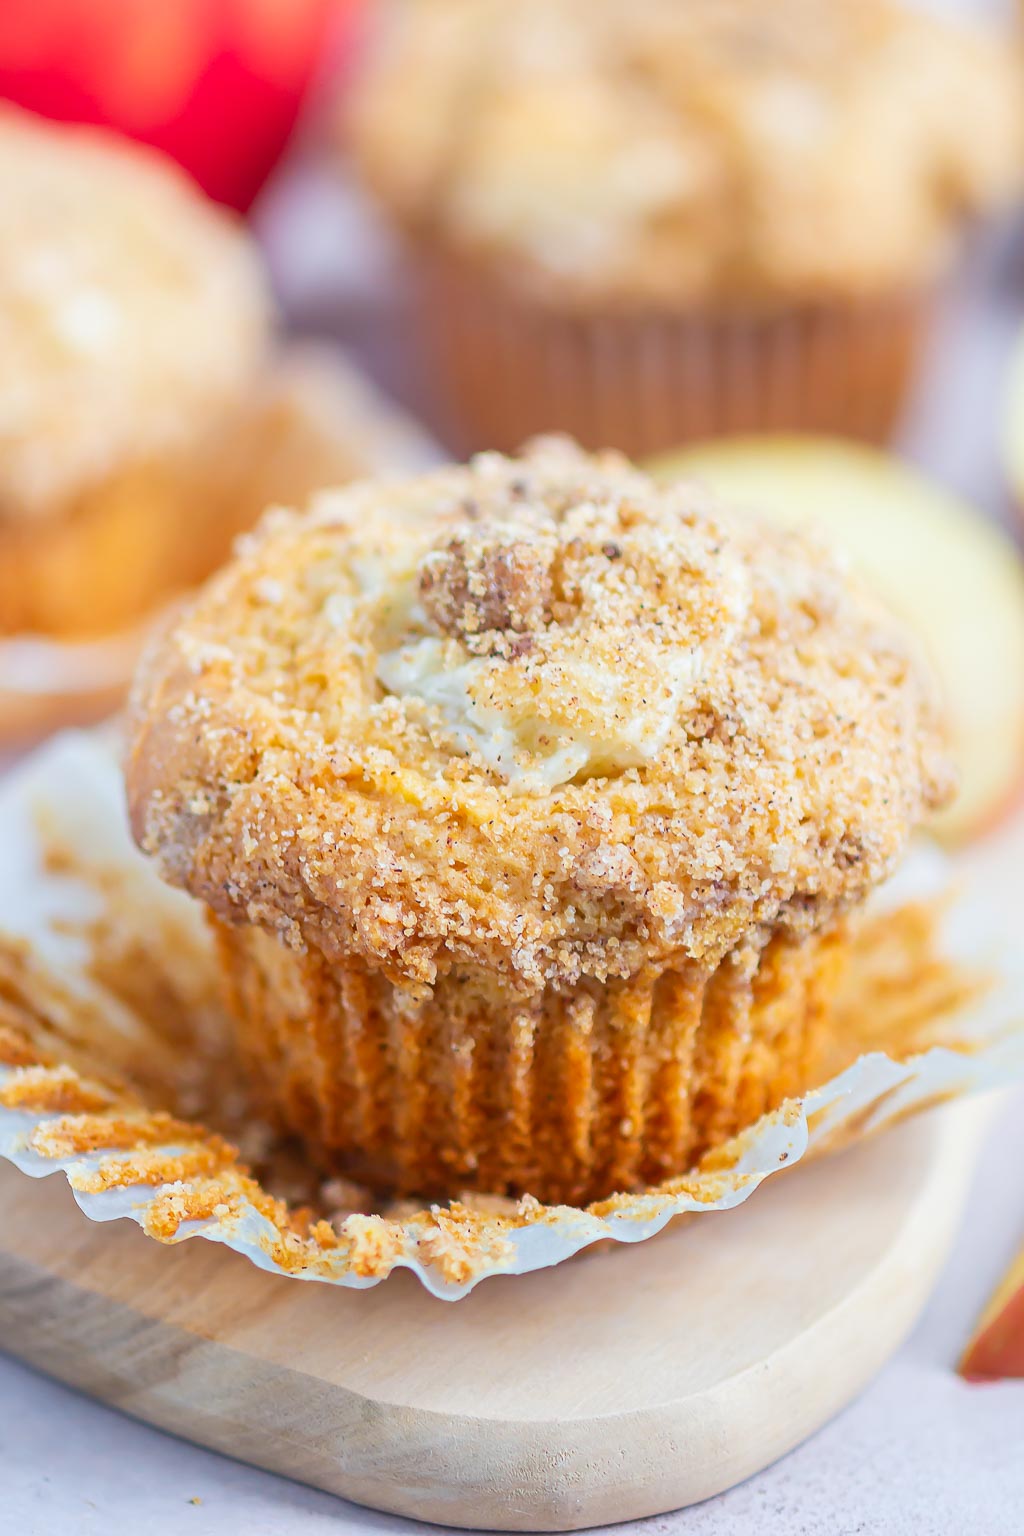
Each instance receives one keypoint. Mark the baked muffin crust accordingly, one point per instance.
(133, 313)
(652, 152)
(534, 715)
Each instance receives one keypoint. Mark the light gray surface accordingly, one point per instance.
(920, 1452)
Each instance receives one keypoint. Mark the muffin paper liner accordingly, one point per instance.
(647, 381)
(115, 1058)
(565, 1095)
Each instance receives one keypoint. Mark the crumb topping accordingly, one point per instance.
(132, 311)
(490, 584)
(653, 151)
(535, 714)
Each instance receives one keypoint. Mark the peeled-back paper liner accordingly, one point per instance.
(71, 883)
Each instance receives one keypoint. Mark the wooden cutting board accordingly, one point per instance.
(626, 1383)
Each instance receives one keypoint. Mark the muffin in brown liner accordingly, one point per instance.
(136, 322)
(308, 420)
(119, 552)
(117, 1066)
(563, 1096)
(304, 420)
(641, 222)
(510, 365)
(134, 1092)
(531, 801)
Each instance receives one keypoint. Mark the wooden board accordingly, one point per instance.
(626, 1383)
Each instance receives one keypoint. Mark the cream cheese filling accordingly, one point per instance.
(544, 725)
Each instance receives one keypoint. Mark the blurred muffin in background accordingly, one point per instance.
(134, 315)
(146, 415)
(642, 221)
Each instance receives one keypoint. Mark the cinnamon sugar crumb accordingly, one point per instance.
(53, 1090)
(151, 1167)
(714, 723)
(373, 1244)
(69, 1135)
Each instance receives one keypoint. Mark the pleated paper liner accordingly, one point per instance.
(567, 1097)
(117, 1065)
(86, 588)
(511, 366)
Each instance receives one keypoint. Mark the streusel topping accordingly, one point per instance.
(131, 311)
(650, 150)
(532, 713)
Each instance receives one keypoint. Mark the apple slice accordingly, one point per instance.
(996, 1349)
(947, 572)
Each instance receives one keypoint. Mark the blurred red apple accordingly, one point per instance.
(216, 84)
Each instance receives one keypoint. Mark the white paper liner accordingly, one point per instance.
(73, 788)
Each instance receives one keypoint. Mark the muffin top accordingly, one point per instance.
(132, 310)
(536, 715)
(650, 151)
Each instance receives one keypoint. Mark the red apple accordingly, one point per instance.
(216, 84)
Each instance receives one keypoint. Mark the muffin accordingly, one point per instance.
(134, 316)
(310, 419)
(532, 804)
(641, 221)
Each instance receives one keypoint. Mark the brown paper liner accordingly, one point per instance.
(567, 1097)
(510, 366)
